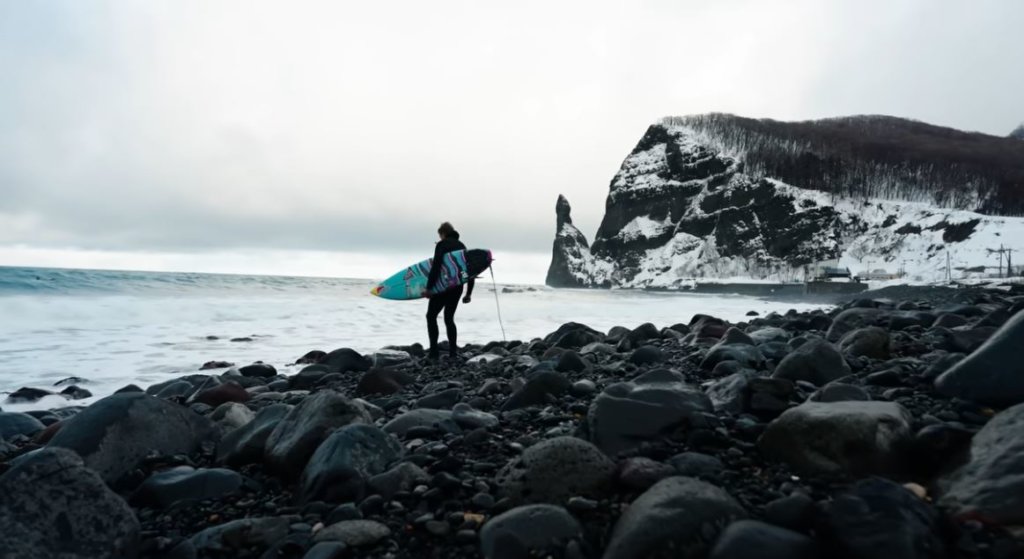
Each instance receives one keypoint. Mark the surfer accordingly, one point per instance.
(446, 300)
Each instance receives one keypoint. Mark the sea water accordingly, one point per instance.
(113, 328)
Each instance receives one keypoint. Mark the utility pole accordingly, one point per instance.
(949, 276)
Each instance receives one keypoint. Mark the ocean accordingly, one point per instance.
(113, 328)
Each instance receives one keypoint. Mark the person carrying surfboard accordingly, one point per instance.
(447, 300)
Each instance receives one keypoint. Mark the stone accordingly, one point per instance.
(597, 348)
(308, 378)
(852, 319)
(647, 355)
(246, 444)
(796, 512)
(115, 433)
(853, 438)
(341, 466)
(840, 392)
(816, 361)
(746, 355)
(443, 400)
(639, 473)
(382, 381)
(230, 391)
(731, 394)
(184, 483)
(870, 342)
(215, 365)
(528, 531)
(485, 359)
(311, 358)
(570, 361)
(172, 389)
(403, 477)
(470, 418)
(74, 392)
(232, 415)
(54, 506)
(540, 389)
(554, 470)
(258, 370)
(584, 387)
(681, 514)
(990, 486)
(354, 533)
(390, 358)
(14, 423)
(880, 518)
(769, 334)
(416, 419)
(296, 437)
(238, 535)
(697, 465)
(628, 414)
(573, 335)
(327, 550)
(345, 360)
(993, 374)
(752, 539)
(27, 395)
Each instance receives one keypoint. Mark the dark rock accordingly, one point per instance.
(232, 415)
(746, 355)
(402, 477)
(347, 511)
(646, 409)
(259, 370)
(27, 395)
(311, 358)
(415, 419)
(54, 506)
(942, 364)
(128, 389)
(752, 539)
(344, 360)
(696, 464)
(215, 365)
(941, 447)
(390, 358)
(888, 377)
(647, 355)
(241, 339)
(573, 335)
(570, 361)
(238, 535)
(796, 512)
(554, 470)
(117, 432)
(70, 380)
(540, 389)
(184, 483)
(345, 461)
(990, 486)
(75, 393)
(639, 473)
(949, 320)
(878, 518)
(469, 418)
(598, 348)
(994, 374)
(172, 389)
(327, 550)
(529, 531)
(443, 400)
(852, 319)
(870, 342)
(816, 361)
(382, 381)
(230, 391)
(704, 326)
(354, 533)
(583, 388)
(854, 438)
(13, 423)
(731, 394)
(680, 514)
(769, 334)
(246, 444)
(298, 435)
(840, 392)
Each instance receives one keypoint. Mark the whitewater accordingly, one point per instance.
(114, 328)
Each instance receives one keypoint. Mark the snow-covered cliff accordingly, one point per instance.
(713, 197)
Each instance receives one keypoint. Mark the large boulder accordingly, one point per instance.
(678, 517)
(345, 461)
(852, 319)
(54, 506)
(419, 418)
(870, 342)
(817, 362)
(628, 414)
(116, 433)
(541, 388)
(344, 360)
(753, 539)
(745, 354)
(185, 483)
(990, 485)
(854, 438)
(554, 470)
(13, 423)
(529, 531)
(994, 374)
(572, 335)
(382, 381)
(246, 444)
(297, 436)
(233, 538)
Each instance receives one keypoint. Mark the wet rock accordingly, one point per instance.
(443, 400)
(344, 360)
(994, 374)
(470, 418)
(752, 539)
(570, 361)
(816, 361)
(308, 378)
(13, 423)
(852, 319)
(540, 389)
(879, 518)
(528, 531)
(232, 415)
(678, 513)
(215, 365)
(597, 348)
(554, 470)
(647, 355)
(298, 435)
(247, 443)
(390, 358)
(418, 419)
(888, 377)
(731, 394)
(27, 395)
(696, 464)
(583, 388)
(796, 512)
(745, 354)
(991, 485)
(258, 370)
(54, 506)
(855, 438)
(114, 434)
(327, 550)
(645, 409)
(870, 342)
(573, 335)
(238, 535)
(230, 391)
(70, 381)
(171, 389)
(840, 392)
(640, 473)
(382, 381)
(402, 477)
(185, 483)
(769, 334)
(74, 392)
(354, 533)
(311, 358)
(345, 461)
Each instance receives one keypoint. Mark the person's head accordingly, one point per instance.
(446, 230)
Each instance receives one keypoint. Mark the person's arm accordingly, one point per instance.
(469, 290)
(435, 267)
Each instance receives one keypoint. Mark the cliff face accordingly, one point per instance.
(722, 197)
(1018, 133)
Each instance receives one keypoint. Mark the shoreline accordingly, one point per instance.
(455, 455)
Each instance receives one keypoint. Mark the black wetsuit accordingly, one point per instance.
(447, 300)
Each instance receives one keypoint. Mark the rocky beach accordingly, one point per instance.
(887, 426)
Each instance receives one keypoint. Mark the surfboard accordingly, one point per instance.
(457, 268)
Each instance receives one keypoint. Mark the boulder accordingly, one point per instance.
(258, 370)
(554, 470)
(403, 477)
(529, 531)
(840, 392)
(573, 335)
(470, 418)
(628, 414)
(647, 355)
(769, 334)
(418, 418)
(74, 392)
(442, 400)
(570, 361)
(184, 483)
(852, 319)
(817, 362)
(246, 444)
(753, 539)
(697, 464)
(232, 538)
(298, 435)
(344, 360)
(853, 438)
(390, 358)
(27, 395)
(345, 461)
(13, 423)
(54, 506)
(731, 394)
(746, 355)
(354, 533)
(680, 514)
(639, 473)
(382, 381)
(115, 433)
(540, 389)
(232, 415)
(994, 374)
(870, 342)
(230, 391)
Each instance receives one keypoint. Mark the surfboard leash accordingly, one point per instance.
(494, 284)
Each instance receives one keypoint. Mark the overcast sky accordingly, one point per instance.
(282, 137)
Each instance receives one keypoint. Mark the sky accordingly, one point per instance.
(331, 138)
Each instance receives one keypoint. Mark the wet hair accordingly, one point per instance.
(446, 230)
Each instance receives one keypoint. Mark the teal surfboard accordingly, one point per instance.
(457, 268)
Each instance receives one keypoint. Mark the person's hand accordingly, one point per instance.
(467, 299)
